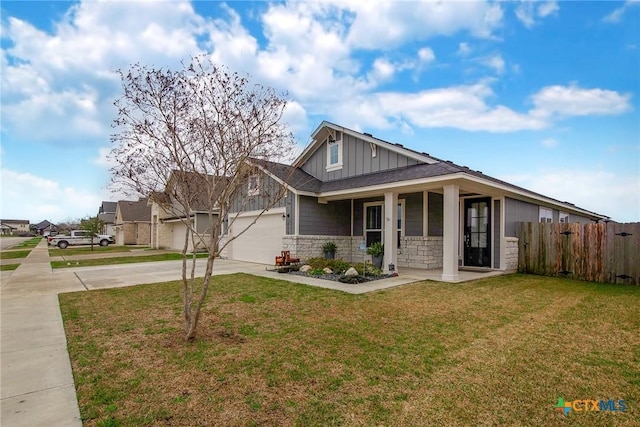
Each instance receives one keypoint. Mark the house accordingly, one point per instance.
(132, 222)
(45, 227)
(107, 214)
(168, 219)
(354, 189)
(10, 227)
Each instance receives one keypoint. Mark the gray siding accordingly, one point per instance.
(356, 160)
(518, 211)
(496, 234)
(331, 219)
(435, 218)
(203, 223)
(413, 214)
(579, 219)
(269, 188)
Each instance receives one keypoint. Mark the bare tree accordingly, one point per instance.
(191, 140)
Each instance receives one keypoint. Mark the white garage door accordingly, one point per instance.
(262, 241)
(177, 235)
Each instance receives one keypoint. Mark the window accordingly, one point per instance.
(334, 152)
(373, 223)
(564, 217)
(254, 185)
(546, 215)
(400, 221)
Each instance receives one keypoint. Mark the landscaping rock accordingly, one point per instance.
(351, 272)
(327, 270)
(305, 268)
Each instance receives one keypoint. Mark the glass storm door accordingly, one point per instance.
(477, 233)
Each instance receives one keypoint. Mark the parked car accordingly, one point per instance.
(80, 237)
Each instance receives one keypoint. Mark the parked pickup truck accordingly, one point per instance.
(79, 237)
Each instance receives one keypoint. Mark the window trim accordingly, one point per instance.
(364, 220)
(543, 210)
(256, 190)
(563, 215)
(338, 142)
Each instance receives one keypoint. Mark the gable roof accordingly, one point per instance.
(195, 183)
(429, 167)
(134, 211)
(108, 207)
(323, 130)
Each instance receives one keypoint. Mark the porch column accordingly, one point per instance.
(450, 233)
(390, 231)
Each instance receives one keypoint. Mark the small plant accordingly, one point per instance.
(376, 249)
(329, 249)
(316, 272)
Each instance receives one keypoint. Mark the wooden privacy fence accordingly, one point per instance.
(608, 253)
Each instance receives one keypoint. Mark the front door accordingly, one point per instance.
(477, 232)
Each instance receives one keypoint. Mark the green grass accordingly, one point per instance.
(498, 351)
(9, 267)
(86, 250)
(31, 243)
(119, 260)
(14, 254)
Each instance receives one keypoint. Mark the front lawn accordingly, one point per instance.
(14, 254)
(86, 250)
(498, 351)
(120, 260)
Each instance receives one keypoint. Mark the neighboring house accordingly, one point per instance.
(168, 219)
(45, 227)
(133, 222)
(107, 214)
(354, 189)
(14, 226)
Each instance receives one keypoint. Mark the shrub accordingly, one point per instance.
(338, 266)
(371, 270)
(316, 272)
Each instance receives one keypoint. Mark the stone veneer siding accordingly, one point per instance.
(420, 252)
(511, 253)
(415, 252)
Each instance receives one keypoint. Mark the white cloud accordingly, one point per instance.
(426, 55)
(462, 107)
(547, 9)
(65, 78)
(47, 199)
(495, 62)
(529, 10)
(380, 25)
(576, 101)
(601, 191)
(617, 14)
(464, 49)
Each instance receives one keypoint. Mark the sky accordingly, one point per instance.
(542, 94)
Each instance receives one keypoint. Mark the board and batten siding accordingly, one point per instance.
(331, 219)
(516, 211)
(356, 160)
(413, 217)
(519, 211)
(268, 188)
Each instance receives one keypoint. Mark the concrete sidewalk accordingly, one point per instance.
(37, 387)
